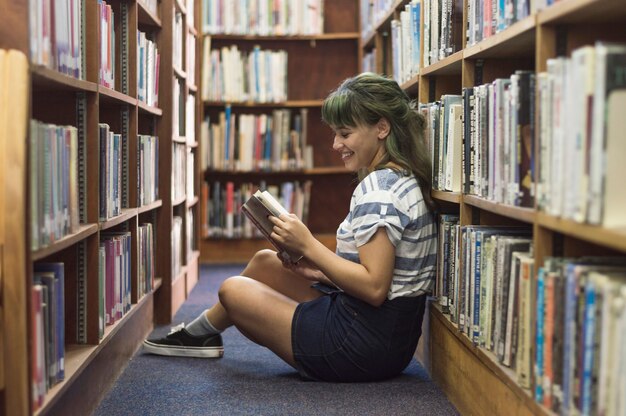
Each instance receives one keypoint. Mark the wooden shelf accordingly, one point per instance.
(488, 360)
(79, 357)
(85, 231)
(294, 38)
(179, 201)
(115, 97)
(583, 11)
(222, 250)
(127, 213)
(146, 17)
(614, 238)
(330, 170)
(450, 65)
(180, 6)
(46, 79)
(411, 85)
(368, 39)
(179, 139)
(149, 207)
(517, 40)
(192, 201)
(180, 73)
(145, 108)
(288, 104)
(516, 213)
(454, 197)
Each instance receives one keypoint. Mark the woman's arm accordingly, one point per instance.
(369, 281)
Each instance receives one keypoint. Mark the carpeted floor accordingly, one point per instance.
(251, 380)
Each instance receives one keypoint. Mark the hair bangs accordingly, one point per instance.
(340, 110)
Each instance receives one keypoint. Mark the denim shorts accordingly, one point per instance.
(339, 338)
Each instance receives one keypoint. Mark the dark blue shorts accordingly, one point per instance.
(340, 338)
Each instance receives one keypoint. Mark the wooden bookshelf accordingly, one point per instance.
(316, 65)
(471, 376)
(60, 99)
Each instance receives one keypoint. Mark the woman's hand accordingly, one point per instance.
(305, 269)
(291, 233)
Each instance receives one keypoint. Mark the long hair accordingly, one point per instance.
(366, 98)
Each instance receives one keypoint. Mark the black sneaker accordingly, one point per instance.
(180, 343)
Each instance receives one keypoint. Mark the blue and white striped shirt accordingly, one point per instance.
(388, 199)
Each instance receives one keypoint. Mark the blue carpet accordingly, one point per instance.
(251, 380)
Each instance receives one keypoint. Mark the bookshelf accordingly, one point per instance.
(472, 376)
(316, 64)
(138, 193)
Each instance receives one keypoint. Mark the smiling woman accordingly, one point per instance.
(354, 314)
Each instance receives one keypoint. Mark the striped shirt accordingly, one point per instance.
(388, 199)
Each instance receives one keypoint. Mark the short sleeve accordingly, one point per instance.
(374, 210)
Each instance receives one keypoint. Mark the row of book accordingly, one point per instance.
(191, 58)
(248, 142)
(182, 172)
(178, 30)
(263, 18)
(152, 6)
(559, 326)
(146, 259)
(483, 141)
(368, 64)
(115, 269)
(405, 42)
(53, 154)
(232, 75)
(490, 129)
(147, 169)
(107, 45)
(223, 217)
(183, 113)
(111, 168)
(371, 12)
(47, 329)
(148, 60)
(177, 246)
(57, 35)
(580, 327)
(487, 17)
(442, 29)
(581, 127)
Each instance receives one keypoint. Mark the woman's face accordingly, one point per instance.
(360, 146)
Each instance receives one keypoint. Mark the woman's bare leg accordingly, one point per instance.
(266, 268)
(261, 313)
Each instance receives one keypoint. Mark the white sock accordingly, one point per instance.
(201, 326)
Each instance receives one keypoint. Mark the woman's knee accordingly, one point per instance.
(229, 290)
(262, 262)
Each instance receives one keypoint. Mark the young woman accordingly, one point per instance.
(355, 314)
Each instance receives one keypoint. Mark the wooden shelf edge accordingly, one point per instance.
(78, 357)
(127, 213)
(179, 201)
(454, 197)
(41, 73)
(114, 95)
(614, 238)
(577, 10)
(192, 201)
(146, 16)
(291, 38)
(512, 32)
(504, 374)
(84, 231)
(449, 65)
(149, 207)
(156, 111)
(290, 104)
(516, 213)
(328, 170)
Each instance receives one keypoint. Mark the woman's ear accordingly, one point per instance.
(383, 128)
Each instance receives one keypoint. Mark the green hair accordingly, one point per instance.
(365, 99)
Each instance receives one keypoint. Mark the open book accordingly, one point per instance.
(261, 205)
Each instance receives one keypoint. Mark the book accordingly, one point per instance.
(258, 208)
